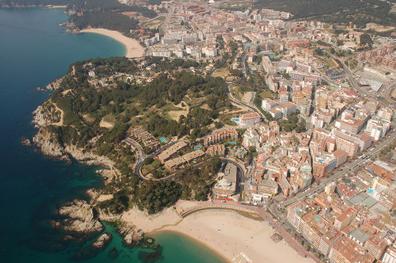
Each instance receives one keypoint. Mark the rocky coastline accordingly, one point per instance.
(49, 144)
(54, 85)
(130, 234)
(79, 217)
(79, 220)
(102, 241)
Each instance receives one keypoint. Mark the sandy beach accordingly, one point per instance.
(225, 232)
(132, 46)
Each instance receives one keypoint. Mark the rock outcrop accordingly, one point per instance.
(130, 234)
(54, 85)
(101, 241)
(80, 218)
(46, 139)
(87, 157)
(26, 142)
(46, 115)
(48, 143)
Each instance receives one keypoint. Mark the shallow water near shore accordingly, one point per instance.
(35, 50)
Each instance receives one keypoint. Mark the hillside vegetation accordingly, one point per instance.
(127, 94)
(358, 12)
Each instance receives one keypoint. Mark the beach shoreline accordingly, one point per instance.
(227, 233)
(193, 239)
(133, 49)
(232, 236)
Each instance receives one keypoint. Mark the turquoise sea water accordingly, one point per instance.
(34, 50)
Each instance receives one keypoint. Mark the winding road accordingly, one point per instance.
(242, 104)
(140, 162)
(142, 157)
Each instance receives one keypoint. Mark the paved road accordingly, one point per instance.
(140, 161)
(220, 205)
(386, 100)
(243, 104)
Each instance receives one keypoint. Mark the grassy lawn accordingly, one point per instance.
(221, 72)
(267, 94)
(107, 121)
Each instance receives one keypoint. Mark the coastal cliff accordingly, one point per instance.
(45, 139)
(50, 144)
(80, 218)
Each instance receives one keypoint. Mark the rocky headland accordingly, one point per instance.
(79, 217)
(102, 241)
(45, 118)
(130, 234)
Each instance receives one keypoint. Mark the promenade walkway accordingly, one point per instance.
(220, 205)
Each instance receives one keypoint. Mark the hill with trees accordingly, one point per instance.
(109, 14)
(124, 94)
(335, 11)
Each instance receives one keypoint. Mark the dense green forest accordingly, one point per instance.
(94, 13)
(108, 20)
(106, 14)
(126, 100)
(108, 6)
(335, 11)
(146, 195)
(199, 186)
(190, 184)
